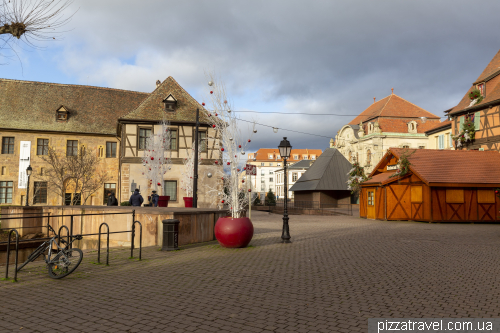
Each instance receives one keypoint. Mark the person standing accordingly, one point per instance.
(136, 199)
(154, 199)
(112, 201)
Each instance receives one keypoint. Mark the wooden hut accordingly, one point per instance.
(440, 186)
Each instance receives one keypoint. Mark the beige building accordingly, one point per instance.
(440, 136)
(38, 115)
(390, 122)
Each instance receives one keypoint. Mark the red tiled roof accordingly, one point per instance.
(454, 166)
(263, 154)
(492, 89)
(435, 126)
(401, 125)
(392, 106)
(380, 178)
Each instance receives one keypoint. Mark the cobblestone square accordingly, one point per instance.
(337, 272)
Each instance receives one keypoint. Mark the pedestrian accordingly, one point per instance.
(136, 199)
(112, 201)
(154, 199)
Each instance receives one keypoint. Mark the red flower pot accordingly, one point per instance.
(163, 200)
(188, 201)
(234, 232)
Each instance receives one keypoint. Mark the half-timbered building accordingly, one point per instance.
(439, 187)
(486, 113)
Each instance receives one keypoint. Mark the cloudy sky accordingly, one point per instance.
(276, 56)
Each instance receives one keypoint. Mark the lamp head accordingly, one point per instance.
(29, 170)
(285, 148)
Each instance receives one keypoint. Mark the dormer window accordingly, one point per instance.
(480, 87)
(62, 114)
(170, 103)
(412, 127)
(370, 128)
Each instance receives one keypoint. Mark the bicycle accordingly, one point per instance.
(64, 262)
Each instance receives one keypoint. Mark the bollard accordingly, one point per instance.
(170, 235)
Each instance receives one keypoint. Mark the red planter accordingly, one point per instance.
(163, 200)
(188, 201)
(234, 232)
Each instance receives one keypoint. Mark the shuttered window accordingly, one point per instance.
(477, 122)
(441, 141)
(451, 141)
(461, 119)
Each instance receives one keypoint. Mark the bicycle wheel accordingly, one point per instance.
(64, 263)
(32, 257)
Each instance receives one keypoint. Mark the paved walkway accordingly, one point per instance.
(338, 272)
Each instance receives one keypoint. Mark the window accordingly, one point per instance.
(370, 198)
(110, 149)
(294, 177)
(262, 164)
(368, 157)
(416, 194)
(485, 196)
(42, 146)
(313, 157)
(144, 134)
(62, 115)
(304, 157)
(271, 179)
(170, 189)
(262, 188)
(451, 141)
(441, 141)
(6, 189)
(279, 164)
(270, 164)
(350, 157)
(262, 172)
(4, 171)
(262, 180)
(480, 87)
(173, 139)
(295, 157)
(421, 147)
(100, 151)
(42, 171)
(7, 145)
(108, 188)
(406, 146)
(40, 193)
(68, 197)
(271, 172)
(72, 148)
(202, 141)
(270, 156)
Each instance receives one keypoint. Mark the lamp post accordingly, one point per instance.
(29, 170)
(285, 148)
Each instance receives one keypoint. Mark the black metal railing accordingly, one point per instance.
(331, 208)
(69, 232)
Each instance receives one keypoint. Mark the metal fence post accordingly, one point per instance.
(8, 255)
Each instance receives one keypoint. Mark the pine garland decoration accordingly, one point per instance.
(404, 164)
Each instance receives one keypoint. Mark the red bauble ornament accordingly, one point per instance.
(222, 201)
(216, 114)
(152, 158)
(249, 140)
(225, 102)
(496, 192)
(211, 92)
(203, 104)
(238, 170)
(210, 115)
(228, 163)
(239, 146)
(244, 168)
(222, 149)
(242, 181)
(159, 184)
(213, 125)
(216, 162)
(222, 178)
(233, 232)
(235, 155)
(249, 190)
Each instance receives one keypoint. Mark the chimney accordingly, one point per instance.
(374, 98)
(158, 82)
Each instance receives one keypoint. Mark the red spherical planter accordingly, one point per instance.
(234, 232)
(163, 200)
(188, 201)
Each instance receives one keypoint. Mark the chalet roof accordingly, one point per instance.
(329, 172)
(380, 178)
(449, 166)
(392, 106)
(153, 107)
(304, 164)
(262, 155)
(30, 105)
(492, 89)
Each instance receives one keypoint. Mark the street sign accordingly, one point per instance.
(251, 170)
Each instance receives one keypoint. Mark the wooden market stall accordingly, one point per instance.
(440, 186)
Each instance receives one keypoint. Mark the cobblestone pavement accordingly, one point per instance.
(338, 272)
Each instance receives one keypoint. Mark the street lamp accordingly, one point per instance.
(29, 170)
(285, 149)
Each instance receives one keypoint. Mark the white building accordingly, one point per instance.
(294, 172)
(268, 161)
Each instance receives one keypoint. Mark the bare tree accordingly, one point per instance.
(31, 20)
(82, 173)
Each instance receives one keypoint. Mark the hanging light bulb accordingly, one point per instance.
(254, 130)
(275, 129)
(242, 152)
(210, 83)
(209, 175)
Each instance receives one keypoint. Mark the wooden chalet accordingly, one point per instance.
(441, 186)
